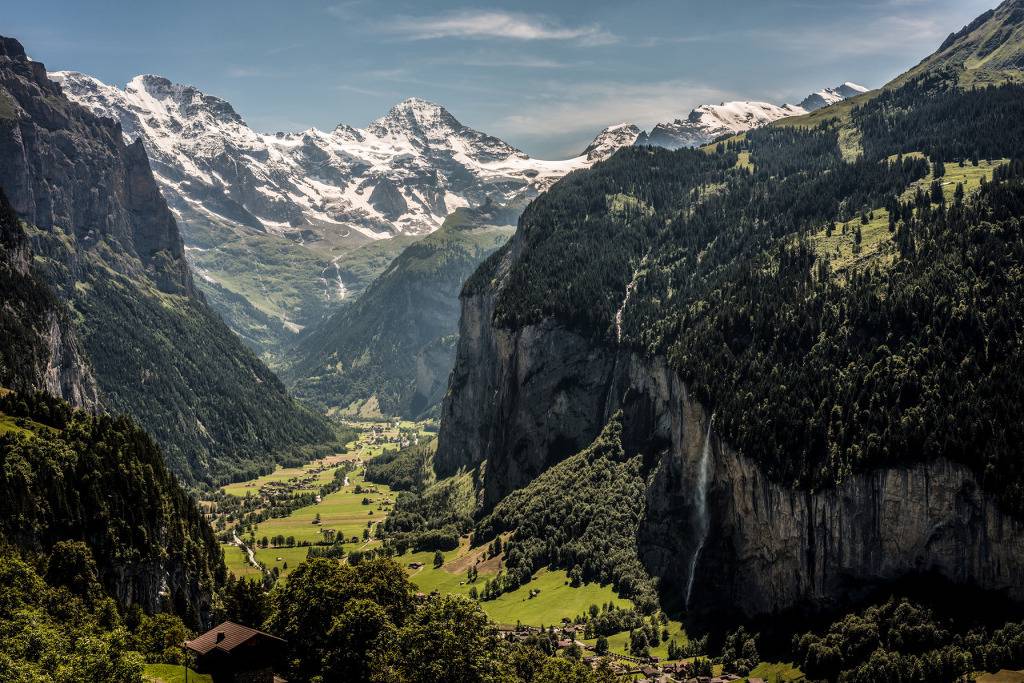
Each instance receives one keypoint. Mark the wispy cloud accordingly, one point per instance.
(586, 108)
(245, 72)
(902, 30)
(513, 62)
(479, 24)
(369, 92)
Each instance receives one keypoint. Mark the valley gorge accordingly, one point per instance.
(734, 396)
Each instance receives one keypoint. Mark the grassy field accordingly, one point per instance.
(7, 424)
(556, 600)
(284, 474)
(342, 511)
(776, 671)
(1003, 676)
(234, 558)
(172, 673)
(619, 643)
(877, 246)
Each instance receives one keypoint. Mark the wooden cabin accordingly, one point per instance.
(232, 653)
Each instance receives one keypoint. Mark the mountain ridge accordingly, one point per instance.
(109, 247)
(707, 122)
(810, 333)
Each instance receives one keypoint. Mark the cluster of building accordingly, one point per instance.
(378, 436)
(652, 669)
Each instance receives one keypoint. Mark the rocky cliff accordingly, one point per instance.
(521, 400)
(65, 169)
(38, 345)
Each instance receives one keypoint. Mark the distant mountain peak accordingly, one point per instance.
(416, 115)
(185, 97)
(709, 121)
(609, 140)
(830, 96)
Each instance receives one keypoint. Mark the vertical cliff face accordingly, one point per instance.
(65, 169)
(521, 400)
(38, 345)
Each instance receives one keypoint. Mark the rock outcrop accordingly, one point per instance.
(65, 169)
(39, 349)
(521, 400)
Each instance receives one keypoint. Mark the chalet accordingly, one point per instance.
(232, 653)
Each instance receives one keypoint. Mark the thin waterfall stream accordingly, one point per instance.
(703, 522)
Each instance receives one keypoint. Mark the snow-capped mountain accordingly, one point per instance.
(283, 227)
(709, 121)
(611, 139)
(830, 96)
(402, 174)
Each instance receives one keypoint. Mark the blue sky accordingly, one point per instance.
(543, 75)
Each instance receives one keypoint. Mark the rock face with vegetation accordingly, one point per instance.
(109, 247)
(38, 344)
(73, 477)
(780, 319)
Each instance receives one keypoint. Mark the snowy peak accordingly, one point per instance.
(609, 140)
(416, 116)
(830, 96)
(402, 174)
(186, 99)
(736, 117)
(709, 121)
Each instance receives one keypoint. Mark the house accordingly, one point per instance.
(232, 653)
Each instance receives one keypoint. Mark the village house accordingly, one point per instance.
(232, 653)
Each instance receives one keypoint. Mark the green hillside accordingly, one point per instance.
(814, 371)
(391, 351)
(70, 476)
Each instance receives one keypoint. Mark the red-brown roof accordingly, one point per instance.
(226, 637)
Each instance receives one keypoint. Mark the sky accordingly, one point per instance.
(545, 76)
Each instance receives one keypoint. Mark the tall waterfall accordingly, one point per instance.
(703, 523)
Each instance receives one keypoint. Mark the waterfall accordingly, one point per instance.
(703, 523)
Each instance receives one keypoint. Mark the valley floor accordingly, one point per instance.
(358, 506)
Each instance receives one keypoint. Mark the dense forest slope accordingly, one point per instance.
(71, 476)
(391, 351)
(109, 247)
(806, 327)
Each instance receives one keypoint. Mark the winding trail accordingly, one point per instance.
(248, 551)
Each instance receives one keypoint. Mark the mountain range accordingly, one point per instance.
(283, 228)
(710, 121)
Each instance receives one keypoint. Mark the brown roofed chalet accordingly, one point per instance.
(226, 637)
